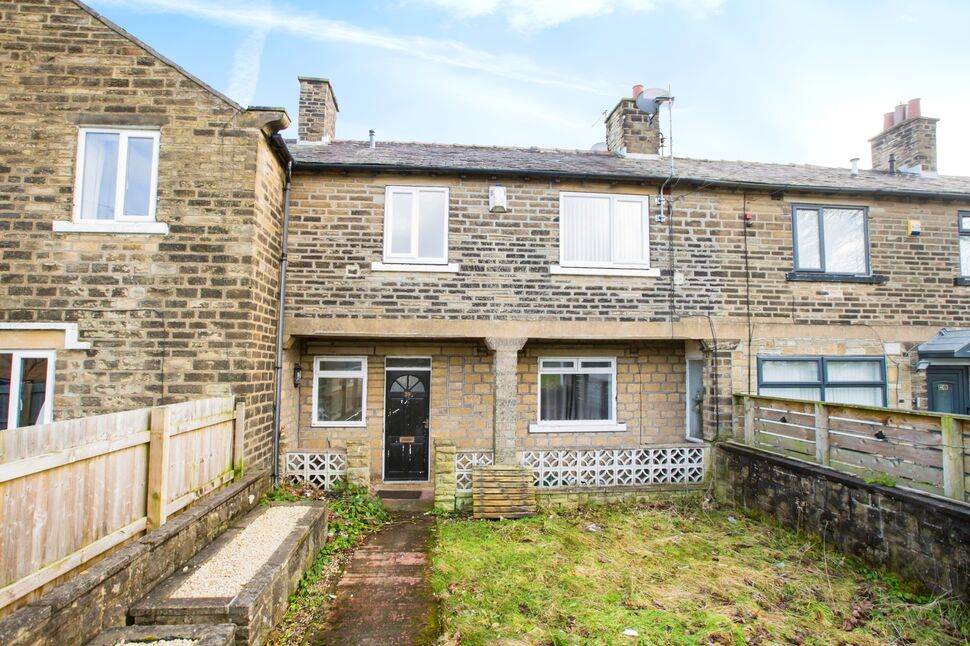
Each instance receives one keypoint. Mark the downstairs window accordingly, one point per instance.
(26, 388)
(577, 391)
(842, 380)
(339, 391)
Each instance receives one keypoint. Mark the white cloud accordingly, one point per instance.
(245, 67)
(528, 15)
(259, 15)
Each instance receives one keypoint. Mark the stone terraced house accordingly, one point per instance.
(541, 306)
(562, 309)
(140, 222)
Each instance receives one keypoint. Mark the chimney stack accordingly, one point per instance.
(907, 136)
(630, 129)
(318, 111)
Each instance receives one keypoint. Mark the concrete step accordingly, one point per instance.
(245, 576)
(198, 635)
(406, 502)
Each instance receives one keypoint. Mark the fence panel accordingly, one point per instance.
(923, 451)
(72, 490)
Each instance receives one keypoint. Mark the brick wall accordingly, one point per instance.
(913, 141)
(168, 317)
(505, 260)
(650, 395)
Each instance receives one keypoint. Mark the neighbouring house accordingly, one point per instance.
(544, 306)
(140, 227)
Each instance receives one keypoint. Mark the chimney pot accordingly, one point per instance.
(899, 114)
(855, 166)
(887, 121)
(912, 109)
(637, 90)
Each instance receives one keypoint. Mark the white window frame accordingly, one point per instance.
(124, 134)
(612, 267)
(338, 374)
(576, 426)
(413, 258)
(47, 412)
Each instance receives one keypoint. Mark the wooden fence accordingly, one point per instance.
(72, 490)
(929, 452)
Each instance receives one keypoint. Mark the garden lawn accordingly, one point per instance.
(675, 574)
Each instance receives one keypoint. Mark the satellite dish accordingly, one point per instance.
(650, 99)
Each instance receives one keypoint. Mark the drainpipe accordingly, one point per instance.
(278, 395)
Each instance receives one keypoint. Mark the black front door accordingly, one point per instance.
(947, 386)
(407, 411)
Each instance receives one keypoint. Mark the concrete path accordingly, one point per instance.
(384, 596)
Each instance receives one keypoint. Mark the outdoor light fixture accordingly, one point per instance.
(297, 374)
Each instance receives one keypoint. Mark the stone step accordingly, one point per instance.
(403, 502)
(197, 634)
(245, 576)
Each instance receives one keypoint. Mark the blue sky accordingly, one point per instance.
(779, 81)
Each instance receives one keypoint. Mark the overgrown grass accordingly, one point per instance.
(675, 575)
(353, 513)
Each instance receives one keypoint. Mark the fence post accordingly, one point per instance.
(748, 421)
(953, 471)
(238, 438)
(158, 460)
(821, 434)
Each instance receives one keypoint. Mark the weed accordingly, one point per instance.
(883, 479)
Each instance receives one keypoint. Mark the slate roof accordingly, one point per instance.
(953, 344)
(447, 158)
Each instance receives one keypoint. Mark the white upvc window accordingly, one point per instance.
(604, 231)
(26, 387)
(416, 225)
(339, 391)
(577, 394)
(117, 175)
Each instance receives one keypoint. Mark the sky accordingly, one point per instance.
(754, 80)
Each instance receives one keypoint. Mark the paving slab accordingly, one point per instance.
(384, 596)
(199, 635)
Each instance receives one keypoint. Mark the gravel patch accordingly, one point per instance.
(226, 572)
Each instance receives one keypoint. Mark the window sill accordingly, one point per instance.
(603, 271)
(140, 228)
(450, 268)
(963, 281)
(579, 428)
(338, 424)
(810, 277)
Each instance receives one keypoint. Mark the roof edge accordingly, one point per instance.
(148, 48)
(613, 177)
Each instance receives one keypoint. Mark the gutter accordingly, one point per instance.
(278, 394)
(604, 177)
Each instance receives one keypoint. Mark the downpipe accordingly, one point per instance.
(278, 394)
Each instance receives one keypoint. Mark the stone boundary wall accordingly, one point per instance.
(75, 612)
(920, 537)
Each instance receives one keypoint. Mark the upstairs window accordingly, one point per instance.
(26, 388)
(831, 239)
(117, 175)
(416, 225)
(843, 380)
(598, 230)
(964, 229)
